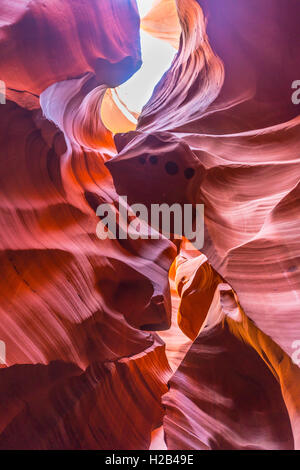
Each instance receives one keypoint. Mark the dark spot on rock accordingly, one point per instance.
(171, 168)
(142, 160)
(189, 173)
(153, 159)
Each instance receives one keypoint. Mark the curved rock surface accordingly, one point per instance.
(94, 329)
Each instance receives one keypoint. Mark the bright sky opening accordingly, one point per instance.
(157, 56)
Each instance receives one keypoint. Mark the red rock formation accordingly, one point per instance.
(247, 143)
(241, 210)
(223, 396)
(85, 366)
(70, 303)
(106, 406)
(235, 388)
(162, 22)
(44, 42)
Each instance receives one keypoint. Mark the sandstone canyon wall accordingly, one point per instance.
(109, 340)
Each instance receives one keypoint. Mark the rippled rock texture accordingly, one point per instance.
(109, 342)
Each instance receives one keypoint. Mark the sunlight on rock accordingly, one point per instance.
(122, 105)
(157, 57)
